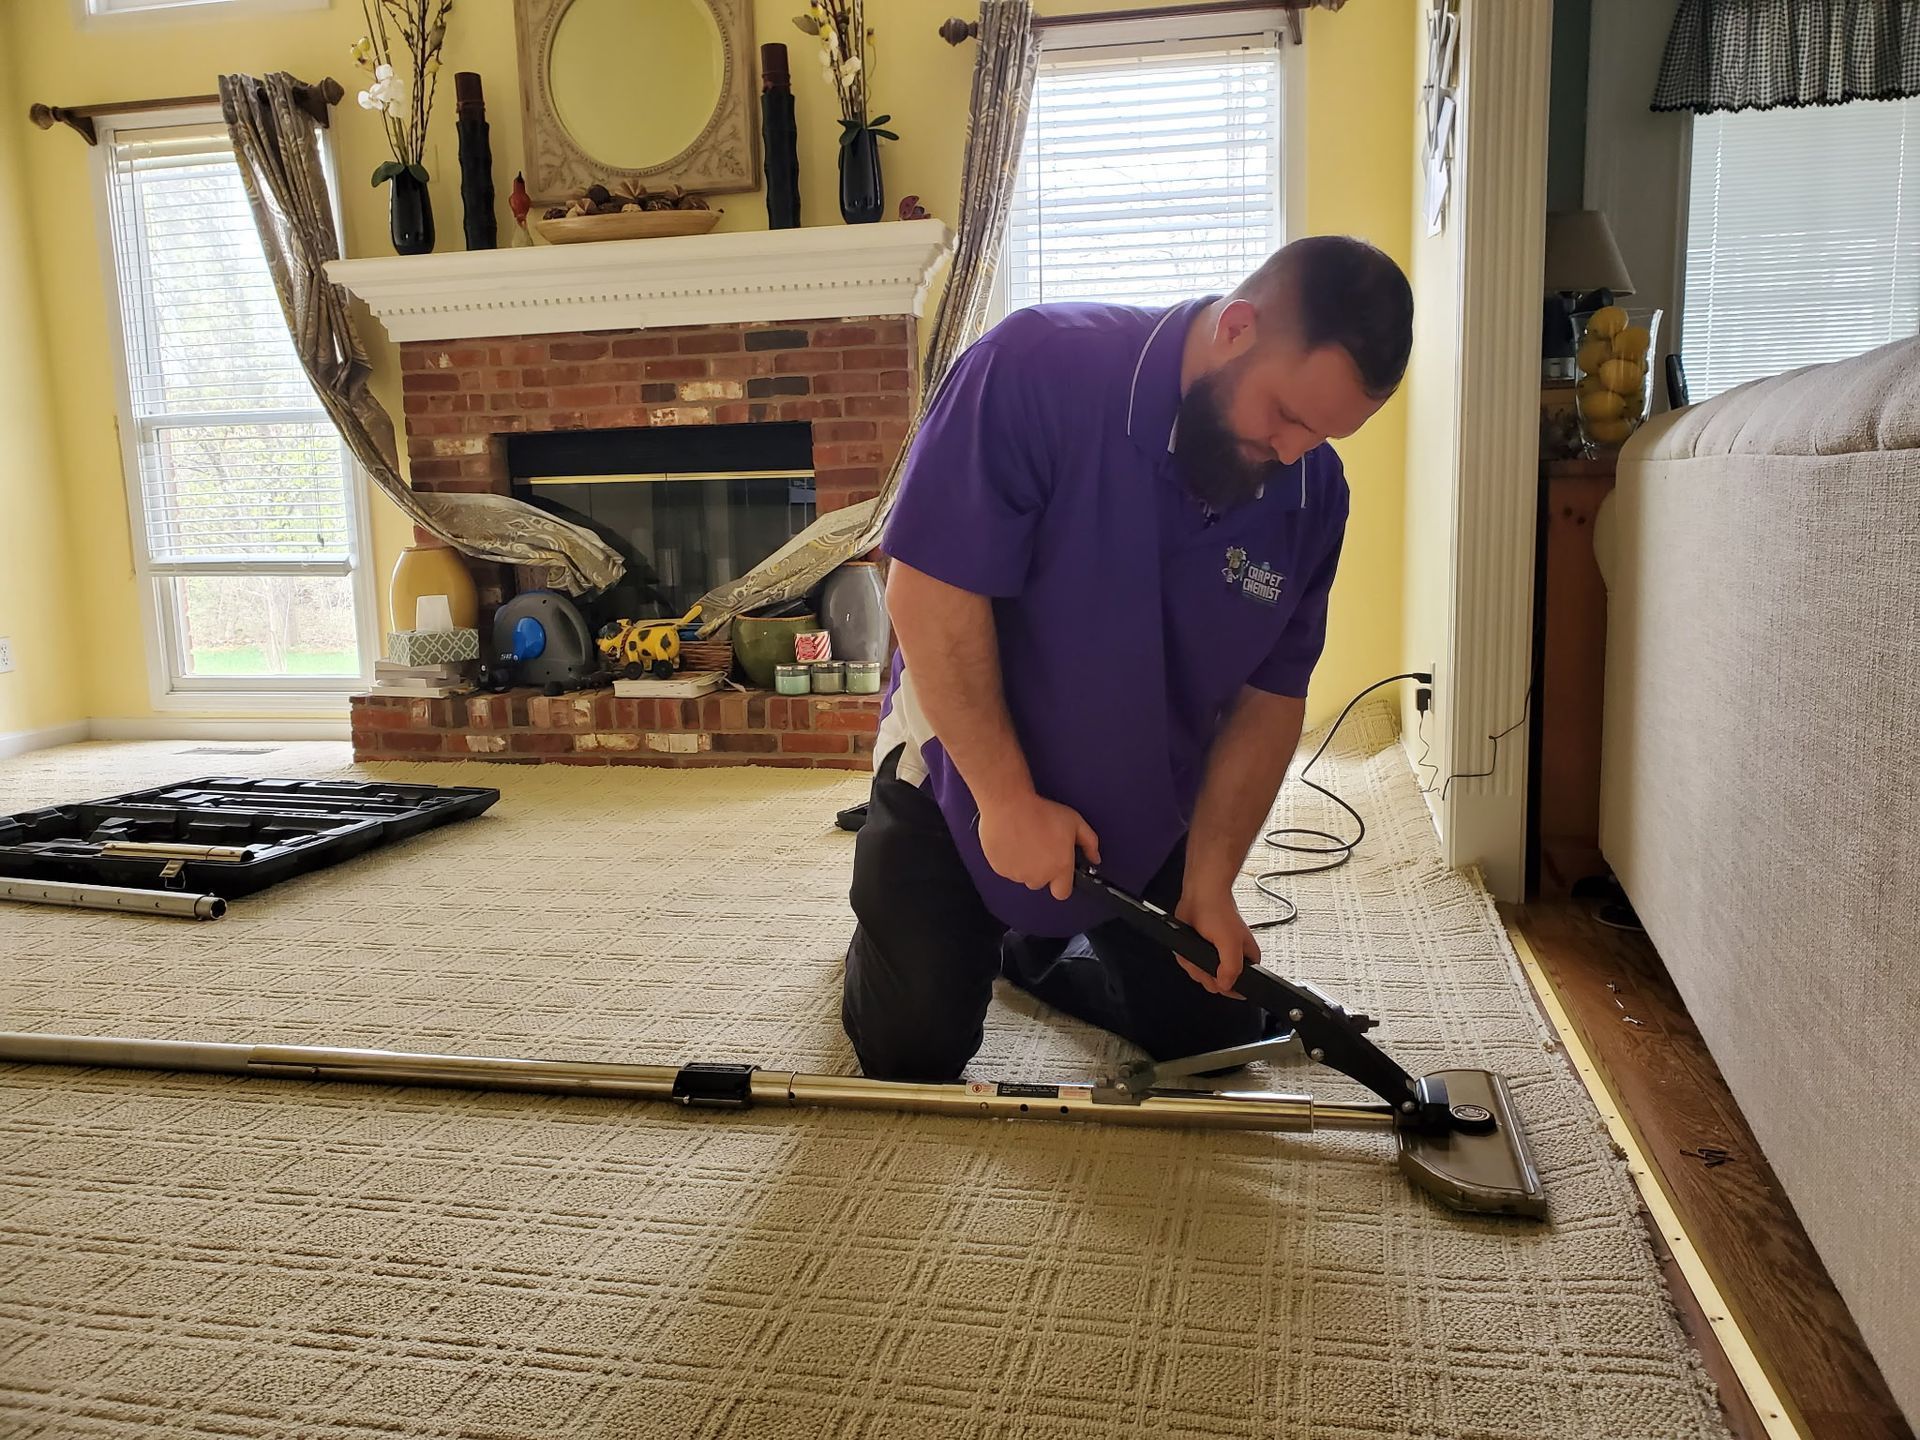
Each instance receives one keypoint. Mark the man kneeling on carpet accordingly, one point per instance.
(1111, 550)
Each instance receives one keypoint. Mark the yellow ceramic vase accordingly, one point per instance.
(430, 566)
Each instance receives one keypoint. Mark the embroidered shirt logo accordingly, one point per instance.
(1236, 562)
(1262, 582)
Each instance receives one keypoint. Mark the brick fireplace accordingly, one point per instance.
(814, 326)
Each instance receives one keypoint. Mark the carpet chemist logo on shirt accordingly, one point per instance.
(1257, 581)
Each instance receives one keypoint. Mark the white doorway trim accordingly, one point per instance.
(1482, 688)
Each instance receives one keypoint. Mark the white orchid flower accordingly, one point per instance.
(383, 72)
(367, 101)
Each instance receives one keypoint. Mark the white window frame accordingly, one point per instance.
(168, 686)
(96, 14)
(1156, 35)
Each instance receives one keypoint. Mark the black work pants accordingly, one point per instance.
(921, 965)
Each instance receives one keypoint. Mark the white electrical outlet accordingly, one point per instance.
(6, 654)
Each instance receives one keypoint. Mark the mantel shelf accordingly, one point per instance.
(747, 276)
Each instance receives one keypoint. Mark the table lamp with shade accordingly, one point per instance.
(1584, 272)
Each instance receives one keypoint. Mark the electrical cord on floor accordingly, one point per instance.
(1335, 851)
(1426, 748)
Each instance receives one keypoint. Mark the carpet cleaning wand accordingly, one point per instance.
(1460, 1137)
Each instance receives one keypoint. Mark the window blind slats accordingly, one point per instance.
(1147, 180)
(1801, 238)
(205, 338)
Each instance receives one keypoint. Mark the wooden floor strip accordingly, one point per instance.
(1771, 1410)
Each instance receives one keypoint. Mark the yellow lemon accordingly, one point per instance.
(1595, 351)
(1609, 432)
(1632, 343)
(1607, 322)
(1631, 405)
(1622, 376)
(1587, 385)
(1603, 404)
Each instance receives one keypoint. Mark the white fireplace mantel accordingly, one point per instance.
(813, 273)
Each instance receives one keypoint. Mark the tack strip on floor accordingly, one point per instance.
(1774, 1415)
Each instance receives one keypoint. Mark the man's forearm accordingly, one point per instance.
(953, 654)
(1245, 768)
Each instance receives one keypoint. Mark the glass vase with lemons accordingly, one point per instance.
(1613, 367)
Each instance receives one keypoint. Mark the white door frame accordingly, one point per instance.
(1501, 195)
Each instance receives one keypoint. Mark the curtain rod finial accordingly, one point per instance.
(957, 31)
(48, 116)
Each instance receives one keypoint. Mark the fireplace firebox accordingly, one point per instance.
(687, 507)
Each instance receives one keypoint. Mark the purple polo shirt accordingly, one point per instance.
(1129, 617)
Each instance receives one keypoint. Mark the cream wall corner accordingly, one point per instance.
(42, 698)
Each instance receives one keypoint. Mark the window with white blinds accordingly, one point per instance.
(240, 485)
(1803, 238)
(238, 462)
(1148, 179)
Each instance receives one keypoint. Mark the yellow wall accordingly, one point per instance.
(36, 584)
(1359, 153)
(1358, 156)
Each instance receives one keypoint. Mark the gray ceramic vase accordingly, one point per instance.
(853, 607)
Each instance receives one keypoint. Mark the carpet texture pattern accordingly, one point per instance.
(215, 1256)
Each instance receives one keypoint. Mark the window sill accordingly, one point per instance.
(328, 704)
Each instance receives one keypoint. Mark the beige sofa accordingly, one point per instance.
(1761, 784)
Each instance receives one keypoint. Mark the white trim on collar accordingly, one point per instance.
(1134, 389)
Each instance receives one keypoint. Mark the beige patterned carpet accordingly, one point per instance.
(214, 1256)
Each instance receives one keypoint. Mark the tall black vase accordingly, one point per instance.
(409, 215)
(861, 194)
(780, 139)
(476, 162)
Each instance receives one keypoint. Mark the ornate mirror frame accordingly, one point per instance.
(723, 158)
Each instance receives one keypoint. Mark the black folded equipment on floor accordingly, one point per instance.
(225, 836)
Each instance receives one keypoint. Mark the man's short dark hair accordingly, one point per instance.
(1336, 290)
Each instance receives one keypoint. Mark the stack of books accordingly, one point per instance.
(450, 677)
(684, 686)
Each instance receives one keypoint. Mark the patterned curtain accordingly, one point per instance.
(1003, 73)
(274, 141)
(1758, 54)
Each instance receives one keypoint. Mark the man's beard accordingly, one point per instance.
(1207, 453)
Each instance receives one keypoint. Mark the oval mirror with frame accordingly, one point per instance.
(626, 93)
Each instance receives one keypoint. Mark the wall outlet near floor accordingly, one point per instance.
(6, 654)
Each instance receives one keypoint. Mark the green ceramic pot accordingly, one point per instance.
(761, 644)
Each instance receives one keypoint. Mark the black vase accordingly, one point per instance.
(409, 215)
(476, 162)
(861, 193)
(779, 139)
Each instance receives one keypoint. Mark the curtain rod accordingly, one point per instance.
(314, 99)
(956, 31)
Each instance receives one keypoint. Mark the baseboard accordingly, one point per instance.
(19, 742)
(161, 728)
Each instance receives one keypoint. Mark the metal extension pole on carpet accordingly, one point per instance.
(1458, 1135)
(736, 1087)
(74, 894)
